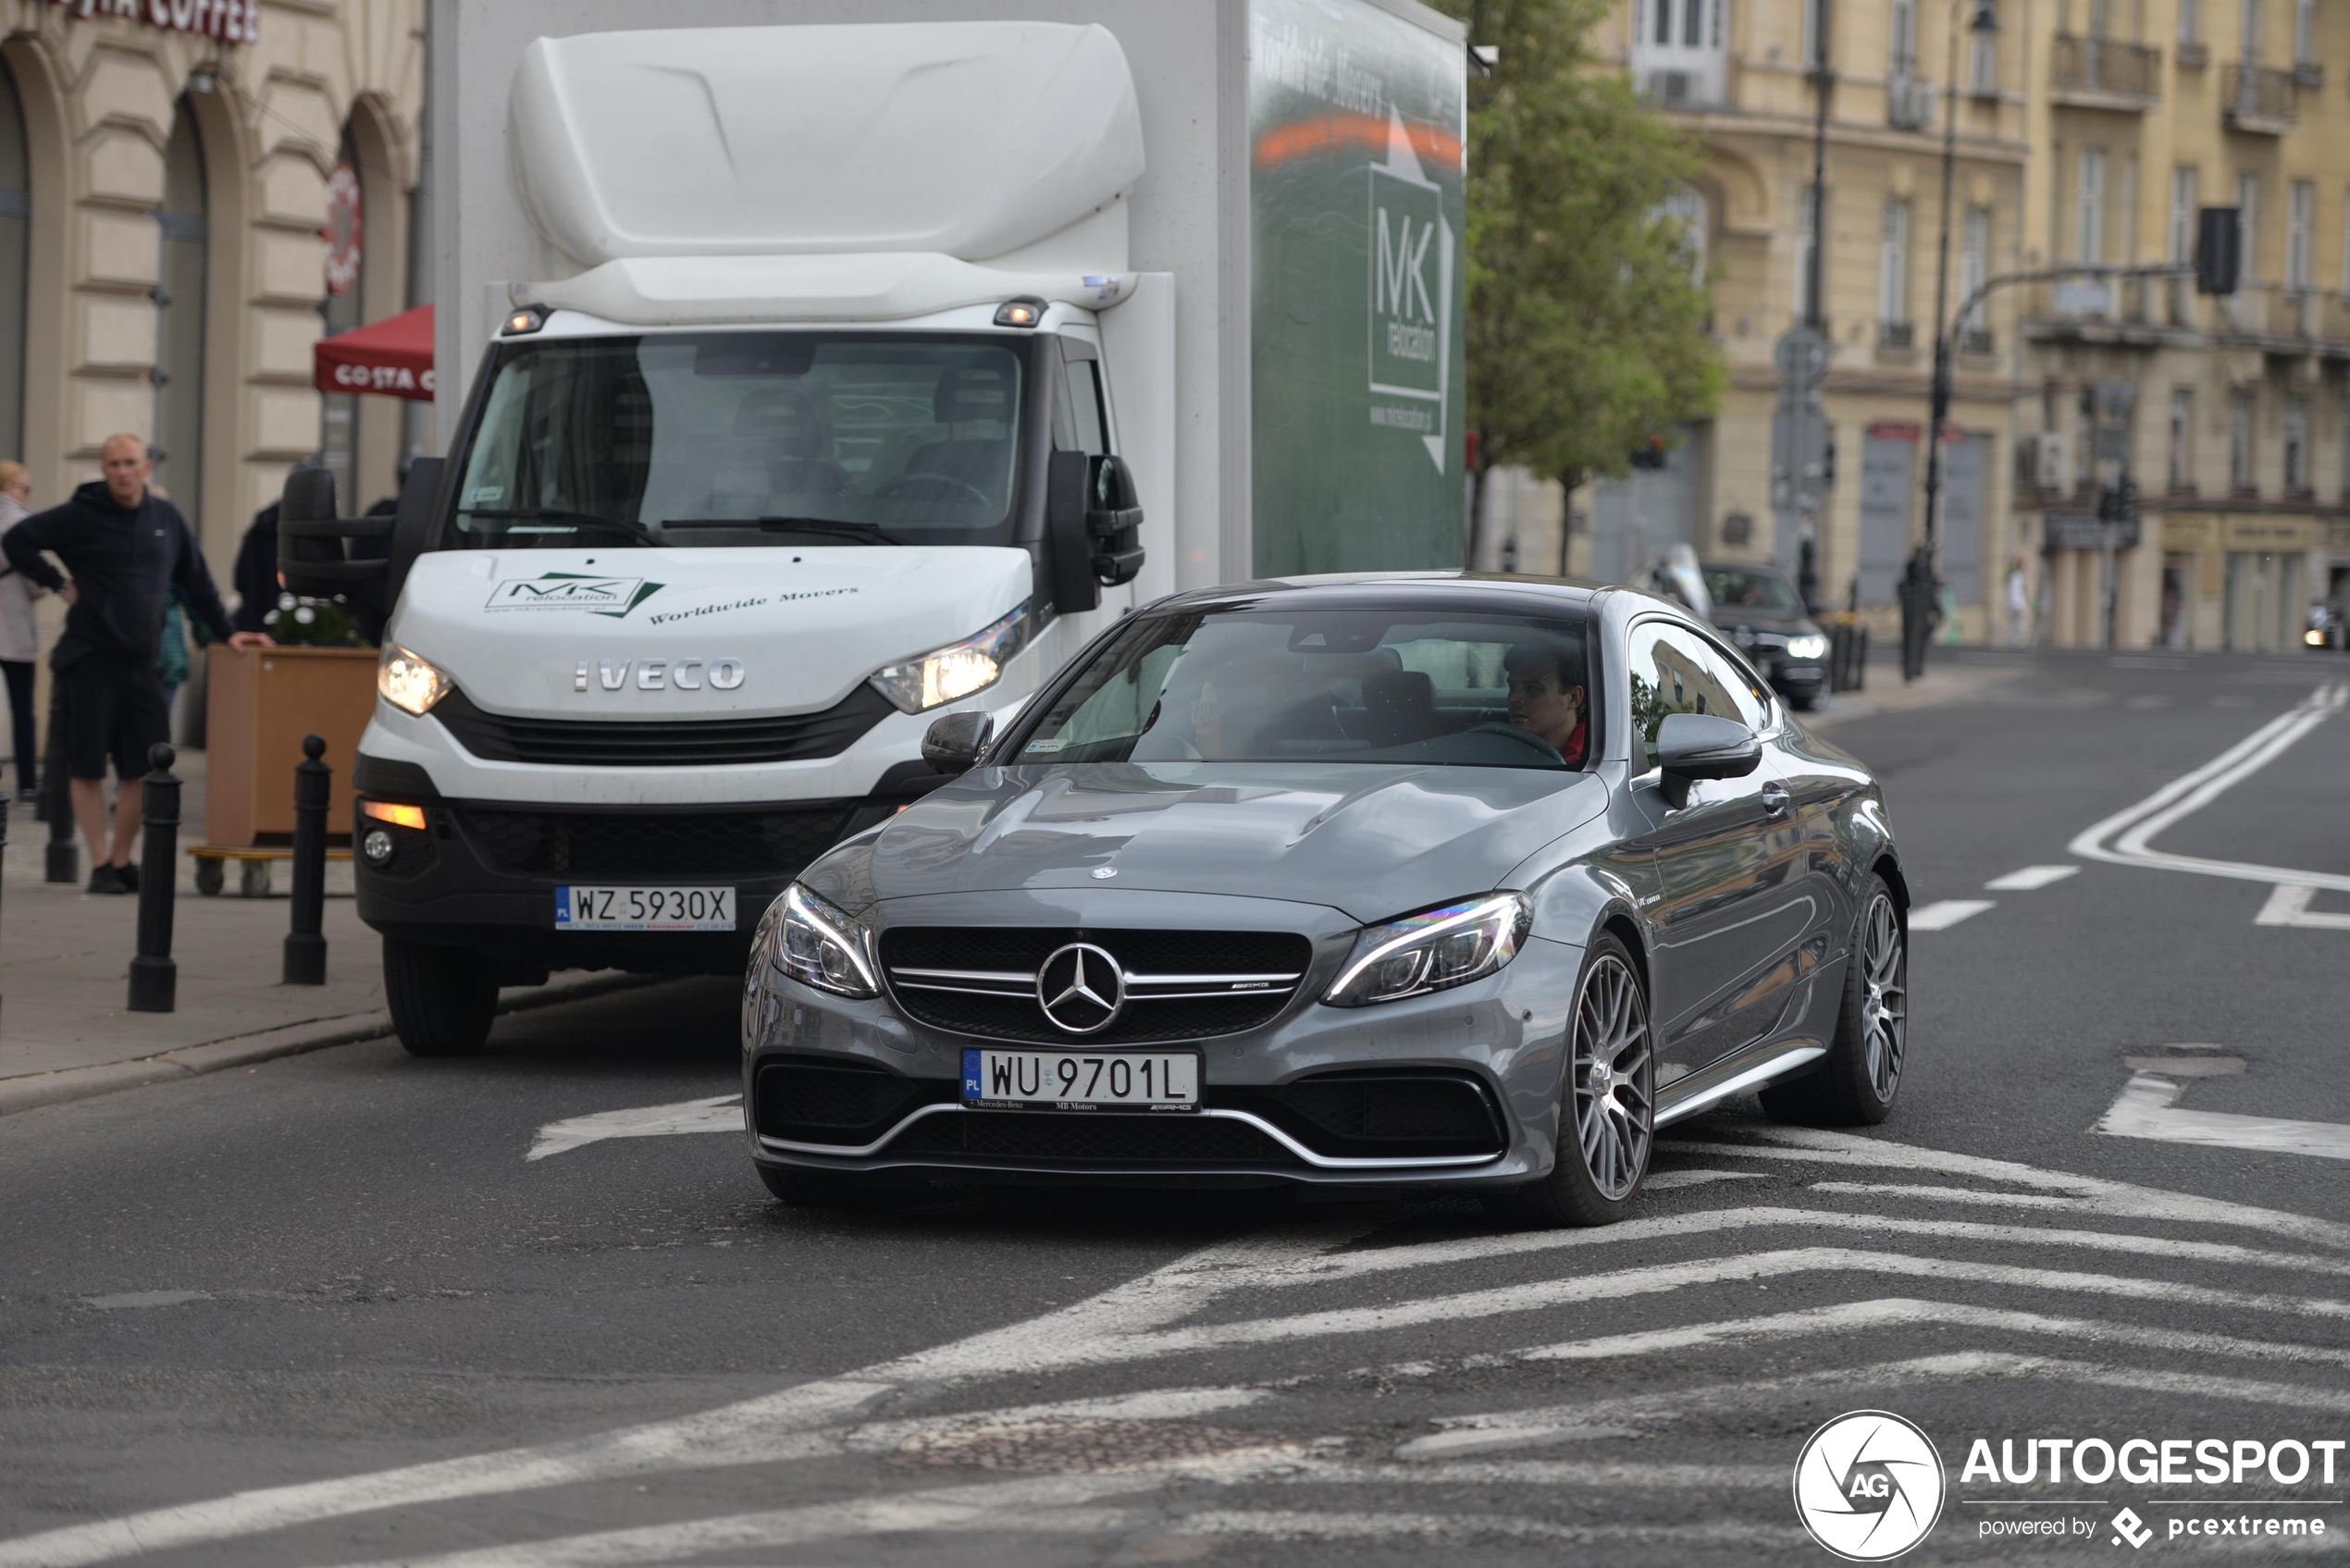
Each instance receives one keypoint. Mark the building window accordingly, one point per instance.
(2305, 26)
(1975, 258)
(1904, 64)
(2088, 220)
(2248, 30)
(2182, 449)
(183, 265)
(2300, 211)
(1687, 24)
(1688, 207)
(1814, 35)
(2190, 21)
(1893, 265)
(1806, 205)
(2296, 446)
(2182, 220)
(342, 310)
(2248, 222)
(15, 217)
(2240, 443)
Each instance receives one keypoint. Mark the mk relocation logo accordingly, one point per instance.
(611, 597)
(1411, 315)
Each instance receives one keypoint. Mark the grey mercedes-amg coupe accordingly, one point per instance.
(1421, 880)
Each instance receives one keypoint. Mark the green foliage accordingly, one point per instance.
(313, 623)
(1585, 329)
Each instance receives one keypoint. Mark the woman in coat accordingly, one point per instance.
(19, 643)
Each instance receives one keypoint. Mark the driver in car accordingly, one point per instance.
(1543, 701)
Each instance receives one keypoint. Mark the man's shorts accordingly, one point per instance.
(114, 706)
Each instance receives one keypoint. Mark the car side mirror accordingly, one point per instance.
(1702, 746)
(955, 743)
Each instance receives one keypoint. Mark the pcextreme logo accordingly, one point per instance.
(1868, 1486)
(610, 597)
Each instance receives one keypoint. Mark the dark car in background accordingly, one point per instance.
(1761, 612)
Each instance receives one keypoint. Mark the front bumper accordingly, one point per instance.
(483, 874)
(1267, 1092)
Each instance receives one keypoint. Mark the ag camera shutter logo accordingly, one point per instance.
(1869, 1486)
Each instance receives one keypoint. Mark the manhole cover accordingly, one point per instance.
(1081, 1447)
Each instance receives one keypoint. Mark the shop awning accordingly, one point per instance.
(392, 357)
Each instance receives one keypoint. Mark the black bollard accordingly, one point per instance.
(153, 976)
(305, 945)
(57, 795)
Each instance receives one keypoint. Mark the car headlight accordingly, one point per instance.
(803, 936)
(956, 671)
(1812, 646)
(410, 682)
(1432, 950)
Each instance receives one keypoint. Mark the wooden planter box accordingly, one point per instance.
(261, 703)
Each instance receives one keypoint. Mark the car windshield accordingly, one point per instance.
(719, 439)
(1263, 684)
(1743, 589)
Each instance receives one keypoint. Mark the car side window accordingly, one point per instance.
(1674, 671)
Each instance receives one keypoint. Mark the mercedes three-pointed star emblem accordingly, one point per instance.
(1081, 988)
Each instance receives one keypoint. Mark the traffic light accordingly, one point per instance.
(1648, 453)
(2218, 250)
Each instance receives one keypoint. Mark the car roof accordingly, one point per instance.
(1416, 591)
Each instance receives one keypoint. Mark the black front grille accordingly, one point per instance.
(1019, 950)
(1091, 1139)
(831, 1102)
(653, 843)
(664, 743)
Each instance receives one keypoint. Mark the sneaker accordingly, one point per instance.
(106, 880)
(129, 876)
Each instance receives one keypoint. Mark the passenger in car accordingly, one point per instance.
(1546, 696)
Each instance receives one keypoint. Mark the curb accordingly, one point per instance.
(188, 1061)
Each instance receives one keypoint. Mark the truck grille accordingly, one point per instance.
(1181, 984)
(653, 843)
(664, 743)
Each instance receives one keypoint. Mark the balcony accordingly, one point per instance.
(1976, 341)
(1897, 337)
(2103, 73)
(1910, 103)
(1683, 81)
(2259, 101)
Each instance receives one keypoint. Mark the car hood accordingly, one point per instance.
(1371, 840)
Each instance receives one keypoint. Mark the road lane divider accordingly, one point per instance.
(1944, 913)
(2031, 878)
(2149, 1107)
(720, 1113)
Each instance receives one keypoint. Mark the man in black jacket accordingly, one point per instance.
(127, 549)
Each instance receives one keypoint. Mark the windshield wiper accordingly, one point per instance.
(871, 533)
(629, 526)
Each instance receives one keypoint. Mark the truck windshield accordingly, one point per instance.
(719, 439)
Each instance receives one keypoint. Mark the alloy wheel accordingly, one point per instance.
(1614, 1077)
(1884, 1000)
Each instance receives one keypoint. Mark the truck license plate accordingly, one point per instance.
(644, 908)
(1070, 1081)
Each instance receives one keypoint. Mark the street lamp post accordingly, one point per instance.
(1922, 574)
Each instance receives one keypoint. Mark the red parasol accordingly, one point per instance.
(392, 357)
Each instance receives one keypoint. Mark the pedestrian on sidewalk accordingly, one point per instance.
(20, 638)
(126, 548)
(2018, 600)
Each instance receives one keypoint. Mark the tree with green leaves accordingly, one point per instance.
(1587, 325)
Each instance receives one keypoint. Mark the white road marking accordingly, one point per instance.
(2289, 905)
(1945, 913)
(720, 1113)
(2137, 826)
(1311, 1525)
(2149, 1107)
(2031, 878)
(1665, 1180)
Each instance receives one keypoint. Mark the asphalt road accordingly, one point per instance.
(329, 1311)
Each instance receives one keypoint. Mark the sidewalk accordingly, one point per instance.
(65, 960)
(1946, 680)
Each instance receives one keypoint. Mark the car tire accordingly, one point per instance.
(1856, 1083)
(1600, 1164)
(799, 1188)
(443, 999)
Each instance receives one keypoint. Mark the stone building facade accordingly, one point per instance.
(166, 168)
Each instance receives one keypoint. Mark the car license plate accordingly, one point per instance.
(644, 908)
(1070, 1081)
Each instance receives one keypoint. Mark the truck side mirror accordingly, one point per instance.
(955, 743)
(1115, 522)
(1067, 491)
(412, 524)
(311, 558)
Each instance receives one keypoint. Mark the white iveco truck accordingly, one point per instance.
(821, 369)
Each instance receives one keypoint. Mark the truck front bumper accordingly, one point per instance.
(483, 875)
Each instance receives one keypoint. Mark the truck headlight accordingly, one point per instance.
(803, 936)
(1812, 646)
(409, 681)
(956, 671)
(1430, 951)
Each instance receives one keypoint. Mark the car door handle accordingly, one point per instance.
(1775, 801)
